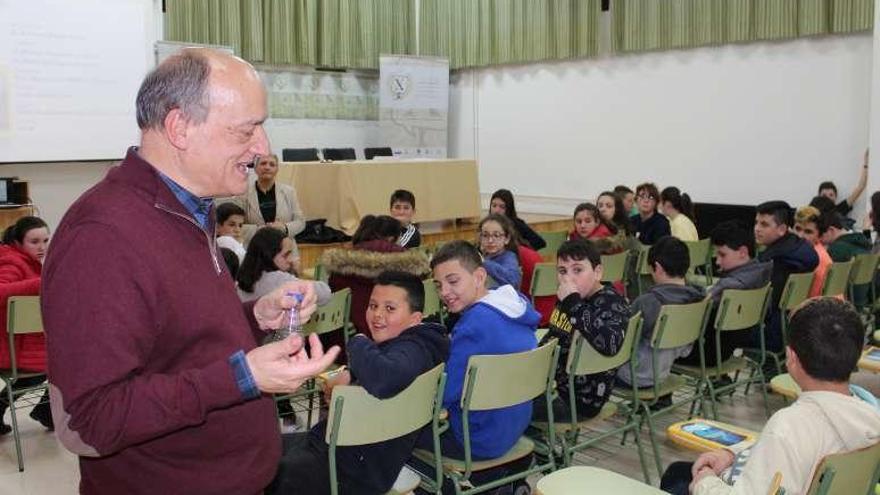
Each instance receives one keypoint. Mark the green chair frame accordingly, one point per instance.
(433, 306)
(700, 257)
(23, 317)
(862, 278)
(642, 273)
(677, 325)
(837, 279)
(358, 418)
(794, 293)
(739, 309)
(544, 280)
(583, 359)
(493, 382)
(591, 479)
(554, 239)
(614, 268)
(847, 473)
(331, 317)
(321, 273)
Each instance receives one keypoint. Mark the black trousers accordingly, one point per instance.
(677, 478)
(40, 409)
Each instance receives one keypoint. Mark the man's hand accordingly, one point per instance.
(271, 309)
(716, 460)
(281, 367)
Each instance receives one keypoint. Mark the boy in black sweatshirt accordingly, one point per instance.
(402, 349)
(598, 313)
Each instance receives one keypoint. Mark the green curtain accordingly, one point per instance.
(326, 33)
(640, 25)
(214, 22)
(488, 32)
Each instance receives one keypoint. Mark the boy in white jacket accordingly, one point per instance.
(830, 416)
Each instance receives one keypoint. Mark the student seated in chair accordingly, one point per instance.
(789, 254)
(402, 348)
(598, 313)
(842, 244)
(499, 321)
(734, 254)
(669, 260)
(403, 207)
(830, 416)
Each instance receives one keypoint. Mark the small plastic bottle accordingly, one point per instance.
(294, 325)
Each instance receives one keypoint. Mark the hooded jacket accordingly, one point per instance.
(649, 304)
(835, 423)
(789, 254)
(358, 268)
(752, 275)
(502, 322)
(504, 268)
(385, 369)
(20, 276)
(849, 245)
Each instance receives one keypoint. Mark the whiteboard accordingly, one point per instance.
(69, 74)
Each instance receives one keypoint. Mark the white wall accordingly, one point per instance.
(729, 124)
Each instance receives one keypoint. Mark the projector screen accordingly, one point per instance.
(69, 73)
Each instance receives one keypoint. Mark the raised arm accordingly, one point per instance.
(863, 181)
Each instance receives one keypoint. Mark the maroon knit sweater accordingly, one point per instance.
(141, 319)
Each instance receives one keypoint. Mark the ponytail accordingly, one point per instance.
(679, 200)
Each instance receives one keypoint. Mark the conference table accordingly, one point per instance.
(344, 192)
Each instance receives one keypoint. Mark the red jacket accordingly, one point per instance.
(20, 276)
(141, 319)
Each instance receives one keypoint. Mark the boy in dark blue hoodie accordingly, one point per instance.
(789, 254)
(499, 321)
(402, 348)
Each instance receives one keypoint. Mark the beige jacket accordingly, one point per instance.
(287, 210)
(795, 439)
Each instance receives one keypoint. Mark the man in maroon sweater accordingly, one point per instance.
(156, 380)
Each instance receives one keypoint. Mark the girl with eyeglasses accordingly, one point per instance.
(648, 223)
(498, 245)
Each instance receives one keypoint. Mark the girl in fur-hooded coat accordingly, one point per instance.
(374, 251)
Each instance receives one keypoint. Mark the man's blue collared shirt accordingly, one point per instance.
(199, 208)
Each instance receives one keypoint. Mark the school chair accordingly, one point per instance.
(642, 272)
(785, 386)
(433, 306)
(837, 279)
(700, 257)
(848, 473)
(590, 479)
(493, 382)
(358, 418)
(338, 154)
(614, 268)
(331, 317)
(582, 360)
(554, 240)
(861, 287)
(370, 153)
(677, 325)
(544, 281)
(321, 273)
(22, 318)
(870, 360)
(299, 155)
(796, 291)
(738, 310)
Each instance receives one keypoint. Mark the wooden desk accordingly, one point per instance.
(9, 216)
(344, 192)
(444, 231)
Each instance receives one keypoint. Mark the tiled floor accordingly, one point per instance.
(49, 469)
